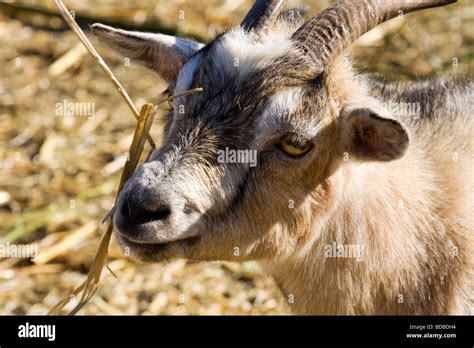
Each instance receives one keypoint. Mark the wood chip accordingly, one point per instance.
(71, 58)
(71, 241)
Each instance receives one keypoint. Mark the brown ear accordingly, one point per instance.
(163, 54)
(369, 135)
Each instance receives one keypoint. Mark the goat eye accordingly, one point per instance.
(294, 146)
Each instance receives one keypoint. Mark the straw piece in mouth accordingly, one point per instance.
(145, 120)
(90, 285)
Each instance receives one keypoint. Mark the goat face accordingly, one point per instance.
(269, 97)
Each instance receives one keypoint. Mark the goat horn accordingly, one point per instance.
(262, 15)
(326, 35)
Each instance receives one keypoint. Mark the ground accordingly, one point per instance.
(58, 174)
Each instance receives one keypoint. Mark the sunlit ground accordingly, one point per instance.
(58, 175)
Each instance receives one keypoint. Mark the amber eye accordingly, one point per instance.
(294, 145)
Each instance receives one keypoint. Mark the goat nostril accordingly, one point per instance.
(141, 215)
(149, 216)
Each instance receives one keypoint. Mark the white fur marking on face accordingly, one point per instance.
(282, 104)
(183, 83)
(235, 53)
(238, 52)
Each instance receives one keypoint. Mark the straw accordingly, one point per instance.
(145, 120)
(90, 285)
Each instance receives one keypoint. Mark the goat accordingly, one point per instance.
(352, 208)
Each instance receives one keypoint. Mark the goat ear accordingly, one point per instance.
(163, 54)
(370, 134)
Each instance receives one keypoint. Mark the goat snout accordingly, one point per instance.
(152, 215)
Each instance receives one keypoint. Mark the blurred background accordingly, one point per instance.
(58, 174)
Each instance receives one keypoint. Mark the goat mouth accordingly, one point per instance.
(136, 242)
(154, 245)
(154, 242)
(154, 252)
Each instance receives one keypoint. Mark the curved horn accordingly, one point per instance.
(325, 36)
(262, 15)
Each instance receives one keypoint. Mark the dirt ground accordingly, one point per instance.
(58, 174)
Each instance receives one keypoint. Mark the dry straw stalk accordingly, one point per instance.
(75, 27)
(145, 120)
